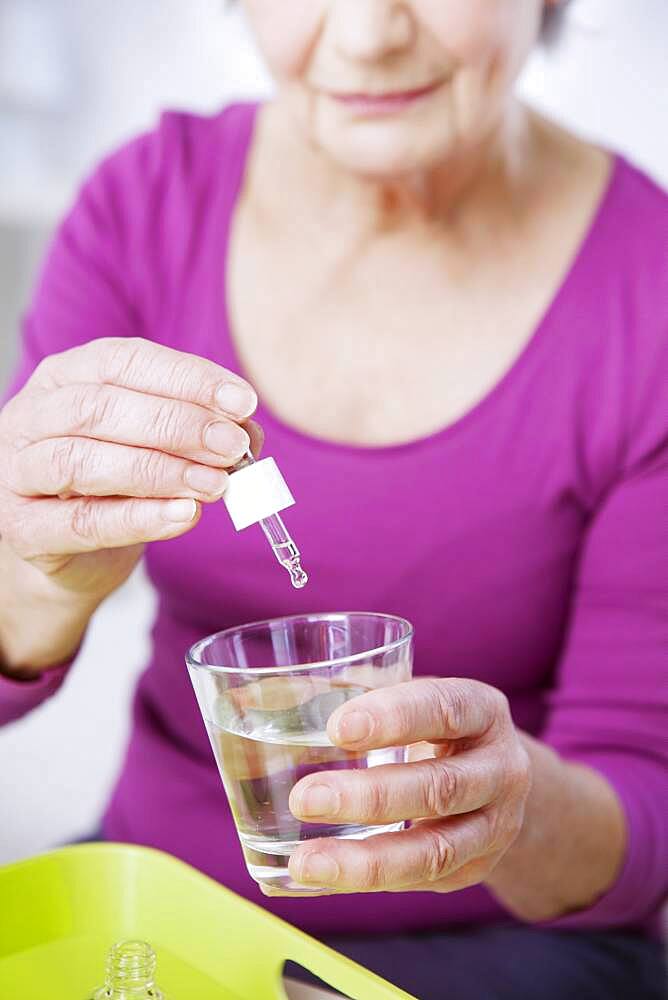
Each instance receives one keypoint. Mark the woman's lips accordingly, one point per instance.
(383, 104)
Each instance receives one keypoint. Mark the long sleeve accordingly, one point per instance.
(83, 289)
(17, 698)
(81, 294)
(609, 709)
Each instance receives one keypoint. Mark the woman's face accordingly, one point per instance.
(386, 87)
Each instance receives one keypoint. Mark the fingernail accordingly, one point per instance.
(180, 510)
(318, 800)
(353, 727)
(227, 439)
(206, 480)
(318, 868)
(236, 399)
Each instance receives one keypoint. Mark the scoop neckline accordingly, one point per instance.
(232, 187)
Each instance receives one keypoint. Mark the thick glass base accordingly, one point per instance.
(267, 860)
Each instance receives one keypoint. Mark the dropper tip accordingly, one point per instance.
(298, 576)
(300, 580)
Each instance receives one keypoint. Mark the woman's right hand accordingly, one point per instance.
(112, 445)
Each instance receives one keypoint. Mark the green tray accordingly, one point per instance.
(60, 912)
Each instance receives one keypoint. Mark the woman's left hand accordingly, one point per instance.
(464, 790)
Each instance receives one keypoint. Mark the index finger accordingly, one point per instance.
(425, 709)
(139, 364)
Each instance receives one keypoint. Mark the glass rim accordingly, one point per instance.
(192, 660)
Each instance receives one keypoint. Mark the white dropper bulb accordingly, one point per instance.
(255, 494)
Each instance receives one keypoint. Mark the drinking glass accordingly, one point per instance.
(266, 691)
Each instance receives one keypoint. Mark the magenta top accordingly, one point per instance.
(529, 538)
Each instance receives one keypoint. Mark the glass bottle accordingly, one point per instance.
(130, 972)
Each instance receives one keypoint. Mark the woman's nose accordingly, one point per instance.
(369, 30)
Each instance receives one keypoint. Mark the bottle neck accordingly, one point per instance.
(130, 971)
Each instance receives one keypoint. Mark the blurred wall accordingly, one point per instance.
(119, 64)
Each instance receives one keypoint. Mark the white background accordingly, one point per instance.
(102, 73)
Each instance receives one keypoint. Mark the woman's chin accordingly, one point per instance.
(380, 151)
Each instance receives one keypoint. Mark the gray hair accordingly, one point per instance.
(553, 22)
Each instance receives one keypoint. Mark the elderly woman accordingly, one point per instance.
(454, 317)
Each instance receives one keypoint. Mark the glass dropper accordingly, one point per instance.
(282, 544)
